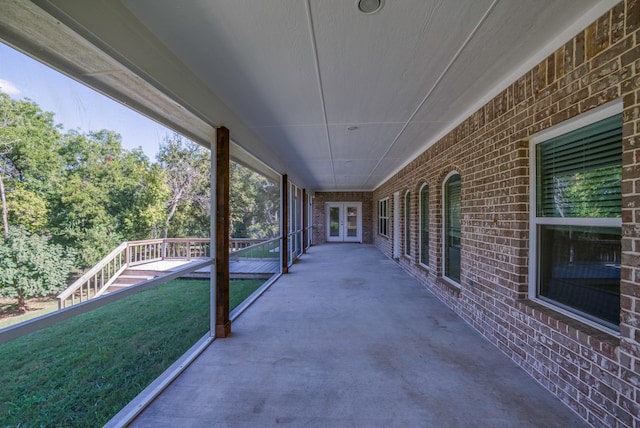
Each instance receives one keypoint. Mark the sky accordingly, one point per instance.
(74, 105)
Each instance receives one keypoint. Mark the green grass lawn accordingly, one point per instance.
(42, 305)
(82, 371)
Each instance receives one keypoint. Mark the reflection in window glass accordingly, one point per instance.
(452, 228)
(352, 222)
(334, 221)
(579, 172)
(580, 268)
(407, 223)
(383, 216)
(424, 225)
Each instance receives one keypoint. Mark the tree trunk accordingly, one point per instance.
(5, 220)
(22, 307)
(173, 205)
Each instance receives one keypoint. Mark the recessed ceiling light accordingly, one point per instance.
(352, 128)
(369, 6)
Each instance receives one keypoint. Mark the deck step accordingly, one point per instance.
(132, 276)
(238, 270)
(131, 279)
(143, 272)
(116, 287)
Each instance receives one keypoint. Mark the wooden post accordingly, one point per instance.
(285, 224)
(223, 324)
(304, 220)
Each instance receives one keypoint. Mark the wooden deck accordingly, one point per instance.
(237, 269)
(253, 267)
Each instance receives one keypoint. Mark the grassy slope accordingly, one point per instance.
(37, 307)
(82, 371)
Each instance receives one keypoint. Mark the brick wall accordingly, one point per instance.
(595, 373)
(319, 223)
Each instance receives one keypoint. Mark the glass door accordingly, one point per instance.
(352, 223)
(344, 221)
(334, 219)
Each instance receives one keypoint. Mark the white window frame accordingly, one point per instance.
(407, 224)
(444, 231)
(295, 222)
(383, 216)
(535, 222)
(420, 214)
(309, 203)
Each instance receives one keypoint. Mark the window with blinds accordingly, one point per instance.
(578, 221)
(579, 173)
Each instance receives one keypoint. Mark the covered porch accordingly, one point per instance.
(435, 118)
(350, 339)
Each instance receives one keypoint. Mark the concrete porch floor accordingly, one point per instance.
(348, 339)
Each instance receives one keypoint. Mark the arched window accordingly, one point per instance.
(424, 225)
(407, 223)
(452, 190)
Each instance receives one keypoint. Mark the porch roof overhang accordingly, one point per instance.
(290, 78)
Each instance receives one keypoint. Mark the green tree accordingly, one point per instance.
(27, 209)
(30, 266)
(187, 170)
(596, 192)
(267, 211)
(242, 197)
(254, 204)
(589, 193)
(107, 195)
(29, 140)
(142, 202)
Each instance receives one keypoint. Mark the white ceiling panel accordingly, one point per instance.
(377, 68)
(320, 172)
(368, 141)
(510, 35)
(254, 54)
(288, 77)
(361, 167)
(415, 134)
(298, 143)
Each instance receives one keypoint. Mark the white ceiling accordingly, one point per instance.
(289, 77)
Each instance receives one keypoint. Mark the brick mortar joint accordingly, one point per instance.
(583, 334)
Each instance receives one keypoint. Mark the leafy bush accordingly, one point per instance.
(30, 266)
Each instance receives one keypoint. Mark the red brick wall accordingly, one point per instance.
(593, 372)
(319, 224)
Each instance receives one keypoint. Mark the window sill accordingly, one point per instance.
(451, 287)
(599, 340)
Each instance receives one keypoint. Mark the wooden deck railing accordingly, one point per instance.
(236, 244)
(153, 250)
(98, 279)
(261, 250)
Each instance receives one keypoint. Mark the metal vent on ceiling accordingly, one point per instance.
(369, 6)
